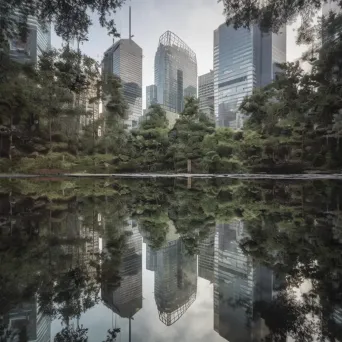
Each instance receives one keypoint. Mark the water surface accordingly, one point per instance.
(170, 260)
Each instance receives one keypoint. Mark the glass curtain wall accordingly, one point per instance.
(175, 72)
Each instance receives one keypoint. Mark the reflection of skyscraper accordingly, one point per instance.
(126, 300)
(238, 284)
(206, 257)
(243, 59)
(151, 258)
(175, 72)
(175, 284)
(26, 320)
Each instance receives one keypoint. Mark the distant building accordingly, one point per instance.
(38, 40)
(206, 94)
(92, 108)
(171, 116)
(244, 59)
(151, 95)
(206, 257)
(175, 72)
(124, 59)
(26, 321)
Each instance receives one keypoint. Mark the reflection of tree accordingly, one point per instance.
(112, 334)
(290, 232)
(69, 334)
(48, 249)
(293, 228)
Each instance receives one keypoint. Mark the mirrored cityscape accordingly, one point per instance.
(171, 266)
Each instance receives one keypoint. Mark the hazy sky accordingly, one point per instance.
(192, 20)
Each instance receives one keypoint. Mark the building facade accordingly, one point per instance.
(38, 40)
(126, 300)
(175, 72)
(239, 283)
(206, 94)
(206, 257)
(244, 59)
(175, 282)
(151, 95)
(124, 59)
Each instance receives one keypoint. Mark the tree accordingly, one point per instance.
(70, 20)
(187, 135)
(150, 140)
(273, 15)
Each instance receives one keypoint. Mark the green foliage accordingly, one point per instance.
(70, 20)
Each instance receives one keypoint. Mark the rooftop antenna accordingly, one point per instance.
(130, 23)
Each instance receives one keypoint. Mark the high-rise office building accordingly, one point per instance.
(38, 40)
(124, 59)
(175, 72)
(206, 94)
(151, 95)
(243, 60)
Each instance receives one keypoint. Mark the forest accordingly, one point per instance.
(291, 125)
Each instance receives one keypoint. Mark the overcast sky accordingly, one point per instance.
(192, 20)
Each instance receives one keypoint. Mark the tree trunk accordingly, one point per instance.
(10, 137)
(189, 165)
(50, 133)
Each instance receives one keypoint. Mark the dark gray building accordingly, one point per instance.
(206, 94)
(151, 95)
(243, 60)
(38, 40)
(175, 72)
(124, 59)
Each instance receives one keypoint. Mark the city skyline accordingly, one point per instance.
(198, 33)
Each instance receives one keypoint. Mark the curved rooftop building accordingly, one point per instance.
(175, 72)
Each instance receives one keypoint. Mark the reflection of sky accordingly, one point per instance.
(195, 325)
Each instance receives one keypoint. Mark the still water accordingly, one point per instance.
(171, 260)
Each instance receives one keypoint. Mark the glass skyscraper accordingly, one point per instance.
(243, 59)
(151, 95)
(124, 59)
(206, 94)
(38, 40)
(175, 72)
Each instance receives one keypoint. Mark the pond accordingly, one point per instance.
(170, 259)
